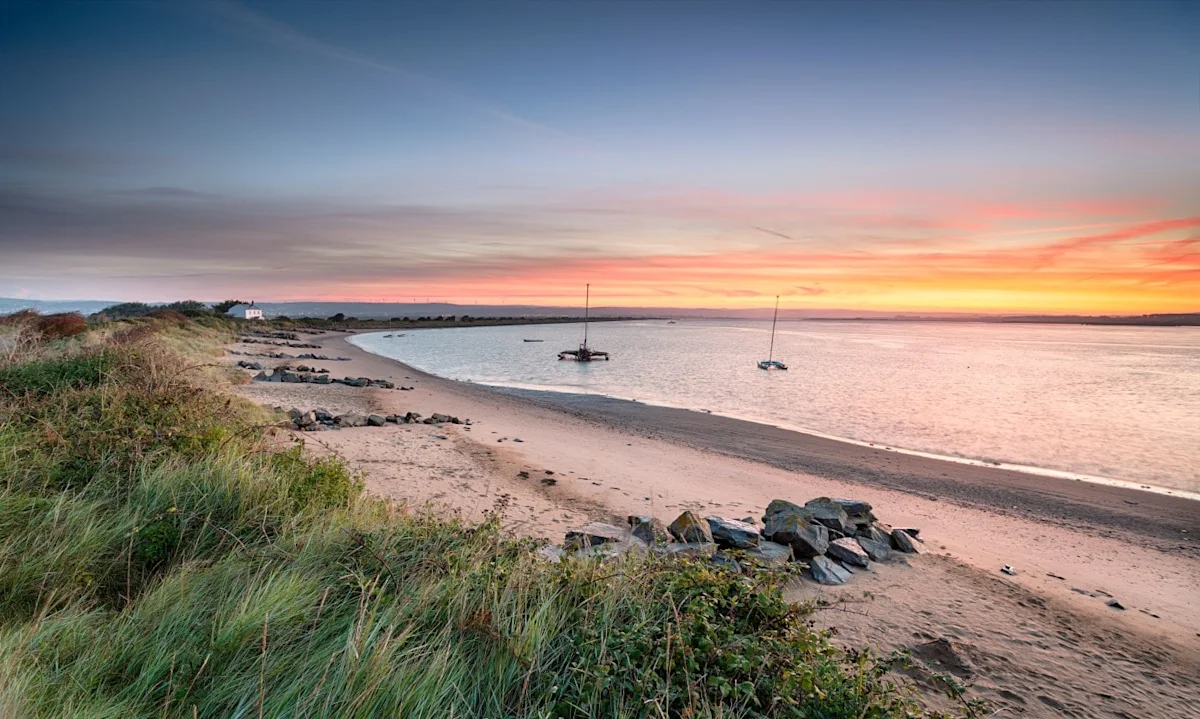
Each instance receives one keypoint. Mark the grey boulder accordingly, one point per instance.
(686, 549)
(793, 529)
(592, 534)
(376, 420)
(830, 513)
(350, 420)
(877, 551)
(826, 571)
(902, 541)
(848, 551)
(733, 533)
(649, 529)
(769, 554)
(690, 528)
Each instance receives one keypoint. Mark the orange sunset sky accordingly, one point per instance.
(972, 157)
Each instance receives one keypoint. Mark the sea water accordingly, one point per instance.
(1108, 402)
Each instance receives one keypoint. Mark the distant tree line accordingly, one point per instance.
(187, 308)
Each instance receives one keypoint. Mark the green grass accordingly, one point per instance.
(160, 556)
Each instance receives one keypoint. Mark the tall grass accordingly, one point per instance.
(159, 557)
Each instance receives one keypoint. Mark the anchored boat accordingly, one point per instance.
(584, 353)
(770, 363)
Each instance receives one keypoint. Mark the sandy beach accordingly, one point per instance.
(1042, 643)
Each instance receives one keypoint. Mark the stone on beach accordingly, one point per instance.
(376, 420)
(350, 420)
(847, 550)
(690, 528)
(592, 534)
(769, 554)
(686, 549)
(791, 526)
(826, 571)
(858, 512)
(877, 551)
(732, 533)
(650, 530)
(830, 513)
(903, 542)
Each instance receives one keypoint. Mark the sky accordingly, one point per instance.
(982, 157)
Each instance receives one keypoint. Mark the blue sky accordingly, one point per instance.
(155, 148)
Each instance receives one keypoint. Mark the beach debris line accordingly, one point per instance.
(831, 537)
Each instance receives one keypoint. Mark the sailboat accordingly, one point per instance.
(584, 353)
(770, 362)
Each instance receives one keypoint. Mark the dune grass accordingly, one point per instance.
(160, 556)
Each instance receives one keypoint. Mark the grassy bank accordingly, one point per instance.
(162, 555)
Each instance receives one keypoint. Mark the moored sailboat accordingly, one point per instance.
(770, 362)
(584, 353)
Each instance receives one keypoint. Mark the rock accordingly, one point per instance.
(551, 553)
(1114, 604)
(649, 529)
(393, 419)
(830, 513)
(793, 529)
(523, 474)
(350, 420)
(295, 413)
(876, 551)
(725, 561)
(913, 532)
(592, 534)
(356, 381)
(732, 533)
(286, 376)
(875, 533)
(308, 419)
(323, 415)
(411, 417)
(781, 506)
(857, 511)
(262, 377)
(628, 545)
(747, 520)
(322, 379)
(376, 420)
(826, 571)
(1007, 569)
(438, 418)
(690, 528)
(847, 550)
(382, 383)
(686, 549)
(769, 554)
(549, 481)
(903, 542)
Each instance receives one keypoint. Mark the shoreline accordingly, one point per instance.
(545, 465)
(1170, 517)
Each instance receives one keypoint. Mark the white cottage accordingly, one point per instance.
(245, 312)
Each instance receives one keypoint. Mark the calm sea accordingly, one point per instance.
(1110, 402)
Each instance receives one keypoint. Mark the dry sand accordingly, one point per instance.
(1040, 644)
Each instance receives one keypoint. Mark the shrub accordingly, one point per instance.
(61, 325)
(169, 316)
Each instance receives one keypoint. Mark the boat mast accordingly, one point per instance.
(771, 352)
(587, 297)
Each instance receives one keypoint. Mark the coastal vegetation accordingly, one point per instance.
(165, 552)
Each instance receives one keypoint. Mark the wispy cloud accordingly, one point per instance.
(284, 35)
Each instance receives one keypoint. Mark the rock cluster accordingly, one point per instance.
(298, 345)
(833, 537)
(284, 355)
(319, 420)
(314, 376)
